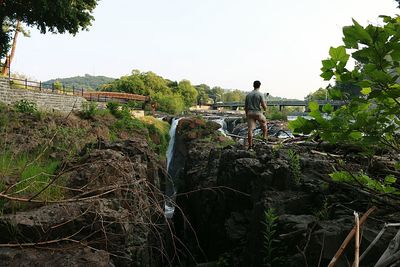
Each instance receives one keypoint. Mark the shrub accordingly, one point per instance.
(274, 114)
(89, 110)
(113, 108)
(25, 106)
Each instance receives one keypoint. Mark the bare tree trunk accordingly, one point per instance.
(14, 46)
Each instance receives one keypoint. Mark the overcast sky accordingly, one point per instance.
(227, 43)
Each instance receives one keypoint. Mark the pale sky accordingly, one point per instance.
(227, 43)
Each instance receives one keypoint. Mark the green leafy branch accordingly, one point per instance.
(373, 118)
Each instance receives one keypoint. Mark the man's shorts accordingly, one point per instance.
(253, 117)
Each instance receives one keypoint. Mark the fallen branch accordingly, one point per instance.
(357, 241)
(349, 237)
(391, 254)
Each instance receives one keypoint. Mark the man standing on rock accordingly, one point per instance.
(252, 106)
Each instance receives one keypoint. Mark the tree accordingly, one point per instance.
(188, 92)
(9, 59)
(320, 94)
(217, 94)
(153, 82)
(346, 89)
(372, 119)
(172, 104)
(234, 96)
(56, 16)
(203, 91)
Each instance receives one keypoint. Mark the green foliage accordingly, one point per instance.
(397, 165)
(68, 140)
(320, 94)
(375, 185)
(234, 96)
(142, 83)
(158, 134)
(134, 104)
(89, 110)
(203, 93)
(35, 177)
(129, 123)
(58, 85)
(323, 212)
(226, 142)
(271, 241)
(114, 109)
(188, 93)
(31, 175)
(47, 15)
(25, 106)
(217, 94)
(171, 104)
(155, 131)
(273, 113)
(87, 82)
(373, 119)
(295, 167)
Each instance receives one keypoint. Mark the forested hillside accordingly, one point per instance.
(87, 82)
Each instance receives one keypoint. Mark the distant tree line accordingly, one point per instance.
(87, 82)
(172, 96)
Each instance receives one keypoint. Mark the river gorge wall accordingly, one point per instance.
(275, 206)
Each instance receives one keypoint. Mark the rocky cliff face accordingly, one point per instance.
(112, 217)
(274, 206)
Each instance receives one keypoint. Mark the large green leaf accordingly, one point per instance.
(380, 76)
(328, 64)
(313, 106)
(366, 91)
(328, 108)
(393, 92)
(302, 125)
(335, 94)
(339, 54)
(355, 135)
(327, 75)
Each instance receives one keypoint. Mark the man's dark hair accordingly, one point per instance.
(256, 84)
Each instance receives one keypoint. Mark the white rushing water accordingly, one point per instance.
(170, 150)
(224, 127)
(169, 207)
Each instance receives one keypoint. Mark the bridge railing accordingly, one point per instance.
(284, 103)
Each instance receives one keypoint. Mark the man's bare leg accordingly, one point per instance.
(264, 127)
(250, 137)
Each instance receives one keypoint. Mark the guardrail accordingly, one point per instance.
(44, 87)
(88, 95)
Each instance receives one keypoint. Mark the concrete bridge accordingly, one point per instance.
(281, 104)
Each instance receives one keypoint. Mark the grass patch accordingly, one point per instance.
(28, 177)
(155, 131)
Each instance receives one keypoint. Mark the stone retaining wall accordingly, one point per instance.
(44, 101)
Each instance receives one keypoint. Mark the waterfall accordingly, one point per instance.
(171, 145)
(224, 127)
(170, 188)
